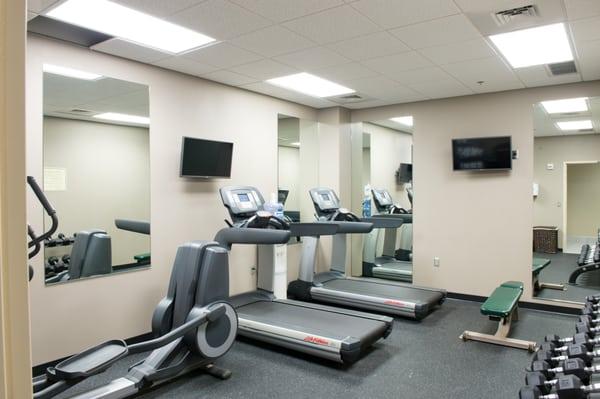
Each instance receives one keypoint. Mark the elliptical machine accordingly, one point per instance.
(192, 327)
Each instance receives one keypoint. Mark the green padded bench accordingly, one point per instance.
(538, 265)
(502, 306)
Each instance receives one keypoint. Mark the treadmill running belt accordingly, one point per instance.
(396, 267)
(396, 292)
(314, 321)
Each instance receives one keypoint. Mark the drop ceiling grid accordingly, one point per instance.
(237, 60)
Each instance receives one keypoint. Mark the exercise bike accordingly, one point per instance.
(192, 326)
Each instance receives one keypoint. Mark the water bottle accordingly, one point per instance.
(366, 205)
(274, 207)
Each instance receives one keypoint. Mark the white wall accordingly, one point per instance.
(289, 176)
(548, 206)
(81, 314)
(108, 177)
(479, 224)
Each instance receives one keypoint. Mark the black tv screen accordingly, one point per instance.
(404, 173)
(205, 158)
(485, 153)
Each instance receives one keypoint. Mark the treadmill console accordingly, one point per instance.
(325, 200)
(241, 201)
(383, 199)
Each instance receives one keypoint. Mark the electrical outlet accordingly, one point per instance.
(549, 166)
(436, 262)
(253, 270)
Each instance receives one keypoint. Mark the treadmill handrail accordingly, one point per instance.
(384, 221)
(314, 229)
(406, 217)
(238, 235)
(361, 227)
(135, 226)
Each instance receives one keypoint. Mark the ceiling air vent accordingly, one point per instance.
(348, 98)
(562, 68)
(508, 16)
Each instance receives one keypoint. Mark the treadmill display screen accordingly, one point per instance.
(325, 197)
(244, 197)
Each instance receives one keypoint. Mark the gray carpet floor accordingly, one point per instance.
(558, 272)
(419, 360)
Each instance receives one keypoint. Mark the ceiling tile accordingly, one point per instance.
(369, 46)
(223, 55)
(539, 76)
(332, 25)
(346, 72)
(273, 41)
(589, 59)
(497, 85)
(264, 69)
(586, 29)
(393, 64)
(393, 13)
(220, 19)
(125, 49)
(228, 77)
(37, 6)
(380, 87)
(284, 10)
(429, 74)
(441, 88)
(160, 8)
(313, 59)
(452, 29)
(186, 65)
(457, 52)
(489, 70)
(577, 9)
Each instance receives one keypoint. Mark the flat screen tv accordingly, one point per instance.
(404, 173)
(205, 158)
(484, 153)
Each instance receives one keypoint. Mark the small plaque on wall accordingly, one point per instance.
(55, 179)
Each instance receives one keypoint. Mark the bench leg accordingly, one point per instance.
(501, 335)
(552, 286)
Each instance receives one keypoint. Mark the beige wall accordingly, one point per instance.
(81, 314)
(15, 355)
(389, 148)
(479, 224)
(548, 206)
(108, 178)
(289, 176)
(583, 199)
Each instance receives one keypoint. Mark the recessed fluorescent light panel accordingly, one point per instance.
(575, 125)
(536, 46)
(126, 118)
(312, 85)
(123, 22)
(566, 105)
(296, 144)
(70, 72)
(403, 120)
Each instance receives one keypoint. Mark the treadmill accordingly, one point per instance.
(386, 265)
(334, 287)
(335, 334)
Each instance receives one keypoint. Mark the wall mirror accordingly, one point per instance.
(96, 161)
(382, 188)
(298, 166)
(566, 186)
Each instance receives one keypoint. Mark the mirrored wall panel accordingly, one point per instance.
(96, 161)
(566, 188)
(382, 186)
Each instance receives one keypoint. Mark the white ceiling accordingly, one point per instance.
(390, 51)
(62, 95)
(544, 124)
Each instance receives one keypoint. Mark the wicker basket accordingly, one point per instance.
(545, 239)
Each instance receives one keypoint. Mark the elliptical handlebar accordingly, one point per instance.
(37, 240)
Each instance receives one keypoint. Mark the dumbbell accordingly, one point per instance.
(579, 339)
(571, 351)
(589, 344)
(584, 318)
(593, 298)
(586, 328)
(566, 387)
(575, 367)
(66, 259)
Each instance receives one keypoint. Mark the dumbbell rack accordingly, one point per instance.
(568, 368)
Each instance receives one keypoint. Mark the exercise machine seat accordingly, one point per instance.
(539, 264)
(503, 300)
